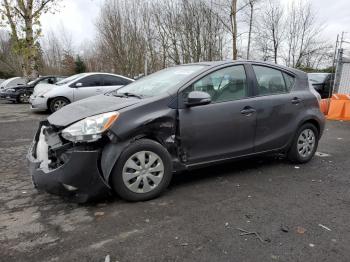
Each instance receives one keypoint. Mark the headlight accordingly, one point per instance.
(91, 128)
(11, 90)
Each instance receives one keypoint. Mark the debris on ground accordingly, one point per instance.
(184, 244)
(320, 154)
(323, 226)
(107, 258)
(301, 230)
(297, 167)
(312, 245)
(99, 214)
(245, 232)
(284, 229)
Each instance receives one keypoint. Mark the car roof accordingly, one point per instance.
(219, 63)
(103, 73)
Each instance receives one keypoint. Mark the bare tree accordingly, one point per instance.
(303, 36)
(233, 19)
(251, 5)
(23, 19)
(270, 28)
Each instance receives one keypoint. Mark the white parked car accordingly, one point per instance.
(12, 82)
(71, 89)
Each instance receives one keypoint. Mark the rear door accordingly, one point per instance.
(87, 86)
(276, 106)
(224, 128)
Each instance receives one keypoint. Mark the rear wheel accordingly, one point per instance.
(304, 144)
(143, 171)
(57, 103)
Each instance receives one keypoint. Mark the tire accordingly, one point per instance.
(23, 98)
(302, 152)
(133, 184)
(57, 103)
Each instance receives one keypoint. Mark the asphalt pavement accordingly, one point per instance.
(261, 209)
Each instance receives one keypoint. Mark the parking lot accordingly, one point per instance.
(292, 213)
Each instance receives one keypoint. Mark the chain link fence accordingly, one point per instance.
(342, 74)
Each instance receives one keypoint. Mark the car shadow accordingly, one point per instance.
(213, 172)
(223, 170)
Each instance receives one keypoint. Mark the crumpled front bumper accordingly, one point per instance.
(79, 178)
(8, 96)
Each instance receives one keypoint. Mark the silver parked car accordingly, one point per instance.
(74, 88)
(12, 82)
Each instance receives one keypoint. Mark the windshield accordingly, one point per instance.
(33, 82)
(317, 78)
(69, 79)
(160, 82)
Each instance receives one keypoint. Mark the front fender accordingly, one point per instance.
(110, 154)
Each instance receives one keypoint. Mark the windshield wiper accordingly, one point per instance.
(127, 94)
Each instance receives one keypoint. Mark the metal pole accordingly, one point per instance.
(333, 69)
(338, 58)
(146, 64)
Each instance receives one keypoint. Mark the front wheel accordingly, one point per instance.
(57, 103)
(23, 98)
(143, 171)
(304, 145)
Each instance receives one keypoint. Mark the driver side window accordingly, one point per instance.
(226, 84)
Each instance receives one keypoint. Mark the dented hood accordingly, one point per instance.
(88, 107)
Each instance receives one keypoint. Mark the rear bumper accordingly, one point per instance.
(79, 178)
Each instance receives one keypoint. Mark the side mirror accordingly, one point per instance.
(197, 98)
(78, 84)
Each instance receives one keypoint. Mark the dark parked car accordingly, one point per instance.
(132, 140)
(21, 93)
(322, 82)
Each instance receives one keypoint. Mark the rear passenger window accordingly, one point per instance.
(270, 81)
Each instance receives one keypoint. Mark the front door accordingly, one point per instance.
(88, 86)
(224, 128)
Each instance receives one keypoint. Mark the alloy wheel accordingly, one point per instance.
(23, 98)
(59, 104)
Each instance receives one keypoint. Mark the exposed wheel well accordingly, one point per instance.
(315, 123)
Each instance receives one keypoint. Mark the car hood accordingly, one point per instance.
(88, 107)
(42, 88)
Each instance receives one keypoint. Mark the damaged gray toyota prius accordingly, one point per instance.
(130, 141)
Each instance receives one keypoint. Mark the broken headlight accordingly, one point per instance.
(91, 128)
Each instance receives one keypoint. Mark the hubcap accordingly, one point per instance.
(143, 172)
(306, 143)
(59, 104)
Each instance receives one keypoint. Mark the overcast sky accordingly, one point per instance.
(79, 16)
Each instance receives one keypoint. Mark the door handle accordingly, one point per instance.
(247, 111)
(296, 100)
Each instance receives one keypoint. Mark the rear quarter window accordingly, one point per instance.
(272, 81)
(289, 80)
